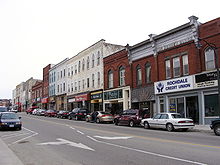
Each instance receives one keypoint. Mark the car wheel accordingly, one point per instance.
(97, 120)
(131, 123)
(217, 129)
(116, 122)
(19, 128)
(77, 118)
(169, 127)
(69, 117)
(87, 119)
(146, 125)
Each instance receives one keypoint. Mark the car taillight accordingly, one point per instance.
(80, 114)
(181, 121)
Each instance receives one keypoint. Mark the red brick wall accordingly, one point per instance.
(46, 80)
(113, 62)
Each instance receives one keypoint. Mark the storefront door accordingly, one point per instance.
(192, 108)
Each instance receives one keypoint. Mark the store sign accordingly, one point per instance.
(81, 97)
(174, 85)
(96, 96)
(44, 100)
(113, 94)
(71, 100)
(206, 80)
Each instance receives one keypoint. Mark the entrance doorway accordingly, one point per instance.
(192, 108)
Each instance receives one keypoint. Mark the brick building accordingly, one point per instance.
(117, 82)
(37, 94)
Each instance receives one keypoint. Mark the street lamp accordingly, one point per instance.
(214, 48)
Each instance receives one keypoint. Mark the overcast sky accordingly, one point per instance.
(35, 33)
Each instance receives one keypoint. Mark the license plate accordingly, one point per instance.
(11, 125)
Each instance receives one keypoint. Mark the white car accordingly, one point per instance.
(169, 121)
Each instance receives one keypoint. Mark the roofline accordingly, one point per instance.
(66, 59)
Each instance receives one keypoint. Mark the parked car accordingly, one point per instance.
(10, 120)
(130, 117)
(215, 125)
(34, 112)
(14, 110)
(30, 110)
(78, 114)
(40, 112)
(99, 117)
(50, 113)
(62, 114)
(3, 109)
(169, 121)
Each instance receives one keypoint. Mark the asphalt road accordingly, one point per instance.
(52, 141)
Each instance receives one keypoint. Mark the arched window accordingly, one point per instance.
(83, 65)
(209, 59)
(148, 72)
(110, 79)
(88, 62)
(139, 75)
(98, 58)
(121, 76)
(93, 61)
(99, 78)
(93, 80)
(79, 66)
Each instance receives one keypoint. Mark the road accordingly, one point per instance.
(52, 141)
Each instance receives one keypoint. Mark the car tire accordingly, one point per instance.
(69, 117)
(169, 127)
(115, 122)
(146, 125)
(77, 118)
(97, 120)
(217, 129)
(87, 119)
(131, 123)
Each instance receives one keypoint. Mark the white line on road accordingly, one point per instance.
(8, 137)
(80, 132)
(146, 152)
(113, 138)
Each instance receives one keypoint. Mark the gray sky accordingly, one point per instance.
(35, 33)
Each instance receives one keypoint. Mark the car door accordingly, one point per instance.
(162, 121)
(122, 118)
(154, 122)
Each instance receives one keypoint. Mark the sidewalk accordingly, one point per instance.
(7, 156)
(202, 128)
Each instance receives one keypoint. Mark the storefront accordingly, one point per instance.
(61, 102)
(79, 101)
(96, 101)
(117, 100)
(44, 102)
(193, 97)
(70, 103)
(52, 102)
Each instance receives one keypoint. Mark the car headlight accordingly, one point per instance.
(18, 122)
(3, 123)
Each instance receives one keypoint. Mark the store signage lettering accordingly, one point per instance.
(113, 95)
(96, 96)
(174, 85)
(206, 80)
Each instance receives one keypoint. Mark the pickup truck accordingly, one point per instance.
(215, 125)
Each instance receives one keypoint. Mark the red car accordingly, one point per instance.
(130, 117)
(30, 110)
(50, 113)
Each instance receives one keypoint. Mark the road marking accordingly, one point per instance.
(123, 134)
(34, 134)
(80, 132)
(8, 137)
(113, 138)
(67, 142)
(146, 152)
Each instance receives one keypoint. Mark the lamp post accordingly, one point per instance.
(214, 48)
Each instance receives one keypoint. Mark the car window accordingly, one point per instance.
(164, 116)
(82, 111)
(157, 116)
(9, 116)
(3, 109)
(176, 116)
(105, 113)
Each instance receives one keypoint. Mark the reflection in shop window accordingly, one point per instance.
(161, 105)
(211, 105)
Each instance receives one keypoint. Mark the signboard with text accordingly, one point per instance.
(174, 85)
(206, 80)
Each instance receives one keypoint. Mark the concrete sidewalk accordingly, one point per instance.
(202, 128)
(7, 157)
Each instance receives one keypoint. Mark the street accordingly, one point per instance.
(52, 141)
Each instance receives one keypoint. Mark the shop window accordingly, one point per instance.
(148, 72)
(211, 105)
(110, 79)
(185, 65)
(209, 59)
(139, 75)
(161, 105)
(168, 71)
(121, 76)
(176, 67)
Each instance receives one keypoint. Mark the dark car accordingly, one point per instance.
(10, 120)
(130, 117)
(50, 113)
(215, 125)
(78, 114)
(3, 109)
(62, 114)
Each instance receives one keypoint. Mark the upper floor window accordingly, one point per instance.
(93, 80)
(148, 72)
(176, 67)
(68, 71)
(83, 83)
(110, 79)
(71, 70)
(64, 88)
(64, 73)
(79, 65)
(98, 58)
(75, 69)
(87, 82)
(168, 70)
(71, 87)
(83, 65)
(75, 86)
(98, 78)
(79, 85)
(93, 60)
(209, 59)
(121, 76)
(139, 75)
(185, 65)
(88, 62)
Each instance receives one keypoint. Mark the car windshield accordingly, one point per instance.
(176, 116)
(3, 109)
(9, 116)
(82, 111)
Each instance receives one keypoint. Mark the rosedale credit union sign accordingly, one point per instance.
(174, 85)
